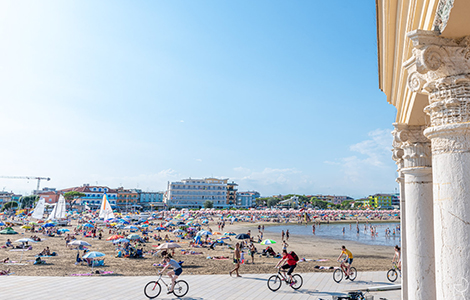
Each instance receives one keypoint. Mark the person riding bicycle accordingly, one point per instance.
(291, 264)
(348, 259)
(397, 256)
(177, 270)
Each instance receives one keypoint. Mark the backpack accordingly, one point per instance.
(294, 256)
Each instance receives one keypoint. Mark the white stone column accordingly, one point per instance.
(419, 236)
(398, 158)
(440, 67)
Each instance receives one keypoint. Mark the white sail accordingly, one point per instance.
(38, 212)
(52, 214)
(106, 212)
(59, 210)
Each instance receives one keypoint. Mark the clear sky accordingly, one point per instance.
(278, 96)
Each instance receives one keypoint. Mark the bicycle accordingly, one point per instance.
(153, 288)
(339, 273)
(392, 274)
(275, 281)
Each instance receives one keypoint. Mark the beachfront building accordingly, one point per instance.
(192, 193)
(151, 200)
(128, 199)
(247, 199)
(333, 199)
(93, 196)
(382, 201)
(6, 197)
(424, 70)
(232, 193)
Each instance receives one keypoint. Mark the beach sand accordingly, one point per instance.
(366, 257)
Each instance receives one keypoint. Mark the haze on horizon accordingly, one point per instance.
(280, 97)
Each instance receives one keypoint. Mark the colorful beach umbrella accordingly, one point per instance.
(268, 242)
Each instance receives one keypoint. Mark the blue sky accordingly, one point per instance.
(279, 96)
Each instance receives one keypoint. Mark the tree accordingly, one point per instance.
(10, 205)
(272, 202)
(73, 195)
(28, 201)
(208, 204)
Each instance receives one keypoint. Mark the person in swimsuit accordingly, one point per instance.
(236, 260)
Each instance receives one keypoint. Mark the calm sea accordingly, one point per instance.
(335, 231)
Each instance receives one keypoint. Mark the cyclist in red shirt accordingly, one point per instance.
(291, 264)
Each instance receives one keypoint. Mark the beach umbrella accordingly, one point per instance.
(230, 233)
(268, 242)
(93, 255)
(242, 236)
(8, 230)
(168, 246)
(79, 243)
(120, 241)
(204, 232)
(114, 237)
(26, 227)
(159, 228)
(131, 227)
(88, 225)
(48, 225)
(144, 225)
(31, 223)
(25, 240)
(63, 230)
(177, 231)
(133, 236)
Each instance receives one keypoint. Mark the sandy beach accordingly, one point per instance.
(312, 248)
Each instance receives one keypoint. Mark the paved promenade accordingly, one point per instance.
(250, 286)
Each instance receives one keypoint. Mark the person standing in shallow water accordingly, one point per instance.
(236, 260)
(282, 234)
(287, 234)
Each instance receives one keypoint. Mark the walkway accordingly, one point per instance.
(250, 286)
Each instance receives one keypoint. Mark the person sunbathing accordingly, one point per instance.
(9, 243)
(6, 260)
(5, 272)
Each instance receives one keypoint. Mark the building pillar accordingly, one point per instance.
(419, 235)
(398, 158)
(440, 67)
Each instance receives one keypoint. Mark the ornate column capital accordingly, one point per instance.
(411, 147)
(440, 67)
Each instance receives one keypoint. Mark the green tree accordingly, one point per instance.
(73, 195)
(28, 201)
(208, 204)
(272, 202)
(10, 205)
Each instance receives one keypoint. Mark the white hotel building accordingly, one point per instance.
(192, 193)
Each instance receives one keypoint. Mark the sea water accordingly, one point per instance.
(335, 231)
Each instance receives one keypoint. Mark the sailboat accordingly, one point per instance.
(38, 212)
(59, 211)
(106, 212)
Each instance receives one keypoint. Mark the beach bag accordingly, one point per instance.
(294, 256)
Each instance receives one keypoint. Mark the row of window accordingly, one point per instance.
(195, 187)
(196, 193)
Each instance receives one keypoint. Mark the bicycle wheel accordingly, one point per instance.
(152, 289)
(353, 273)
(392, 275)
(298, 281)
(274, 283)
(338, 275)
(181, 288)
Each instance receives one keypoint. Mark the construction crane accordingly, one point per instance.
(28, 178)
